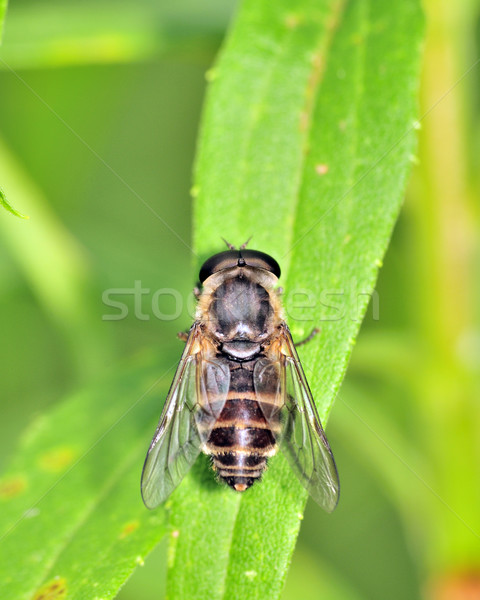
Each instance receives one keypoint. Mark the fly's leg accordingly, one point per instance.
(315, 330)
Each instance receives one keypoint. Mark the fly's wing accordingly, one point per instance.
(287, 404)
(195, 399)
(304, 442)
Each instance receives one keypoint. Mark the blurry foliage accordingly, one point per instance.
(410, 400)
(4, 202)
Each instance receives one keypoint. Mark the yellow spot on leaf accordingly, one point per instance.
(53, 590)
(129, 528)
(10, 487)
(57, 459)
(251, 575)
(321, 169)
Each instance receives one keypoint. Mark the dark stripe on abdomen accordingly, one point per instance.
(245, 438)
(240, 442)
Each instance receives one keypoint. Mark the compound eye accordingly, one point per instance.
(238, 258)
(218, 262)
(260, 260)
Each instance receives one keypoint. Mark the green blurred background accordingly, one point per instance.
(99, 110)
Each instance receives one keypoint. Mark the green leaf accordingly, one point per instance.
(71, 512)
(307, 139)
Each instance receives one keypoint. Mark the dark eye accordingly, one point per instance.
(260, 260)
(218, 262)
(238, 258)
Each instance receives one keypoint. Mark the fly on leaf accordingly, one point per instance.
(239, 392)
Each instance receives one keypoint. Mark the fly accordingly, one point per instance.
(239, 392)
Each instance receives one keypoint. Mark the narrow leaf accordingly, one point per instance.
(307, 138)
(7, 206)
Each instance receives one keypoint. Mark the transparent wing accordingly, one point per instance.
(287, 404)
(304, 442)
(195, 400)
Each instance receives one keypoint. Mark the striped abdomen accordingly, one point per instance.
(242, 440)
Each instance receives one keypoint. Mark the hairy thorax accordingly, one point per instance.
(240, 312)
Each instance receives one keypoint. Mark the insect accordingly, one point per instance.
(239, 392)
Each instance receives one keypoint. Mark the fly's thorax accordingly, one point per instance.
(240, 310)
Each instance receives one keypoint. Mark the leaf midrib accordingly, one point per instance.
(317, 76)
(351, 181)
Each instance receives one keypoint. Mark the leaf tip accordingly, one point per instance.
(8, 207)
